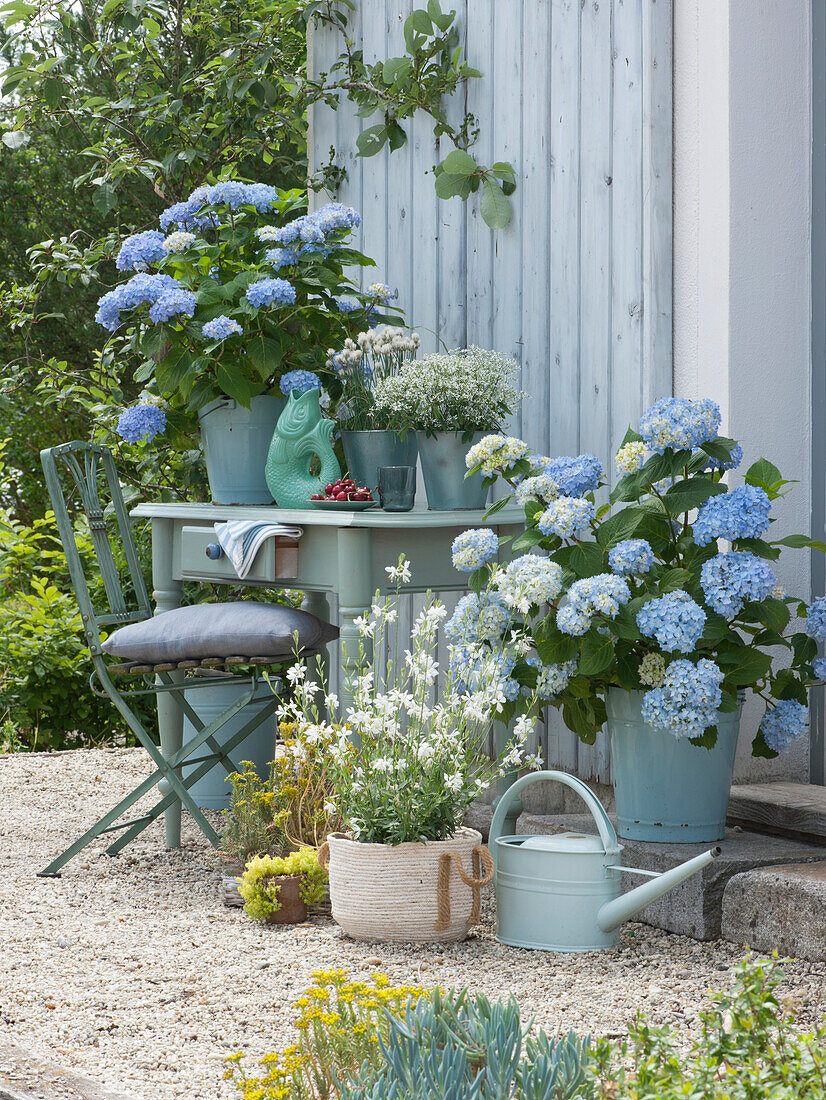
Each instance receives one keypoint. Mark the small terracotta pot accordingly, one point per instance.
(293, 910)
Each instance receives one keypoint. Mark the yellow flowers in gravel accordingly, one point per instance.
(339, 1021)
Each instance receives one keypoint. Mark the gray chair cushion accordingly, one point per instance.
(241, 629)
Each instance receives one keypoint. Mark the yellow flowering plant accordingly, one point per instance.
(339, 1021)
(261, 893)
(293, 807)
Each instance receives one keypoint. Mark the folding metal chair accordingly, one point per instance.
(86, 468)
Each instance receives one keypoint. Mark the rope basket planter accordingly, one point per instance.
(428, 892)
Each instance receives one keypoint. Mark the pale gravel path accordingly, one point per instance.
(156, 982)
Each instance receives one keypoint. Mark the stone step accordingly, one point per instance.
(695, 907)
(796, 810)
(778, 909)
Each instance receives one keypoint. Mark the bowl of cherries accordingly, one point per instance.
(343, 494)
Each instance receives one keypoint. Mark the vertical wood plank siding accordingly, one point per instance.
(577, 94)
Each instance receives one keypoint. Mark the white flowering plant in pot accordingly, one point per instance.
(667, 590)
(410, 754)
(466, 391)
(358, 368)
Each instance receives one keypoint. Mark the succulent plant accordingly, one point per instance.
(462, 1047)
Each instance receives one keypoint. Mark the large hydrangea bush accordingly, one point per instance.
(237, 293)
(669, 589)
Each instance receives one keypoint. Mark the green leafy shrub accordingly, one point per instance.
(748, 1049)
(261, 892)
(44, 663)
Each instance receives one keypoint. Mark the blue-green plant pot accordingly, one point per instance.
(212, 791)
(366, 451)
(443, 469)
(236, 441)
(667, 789)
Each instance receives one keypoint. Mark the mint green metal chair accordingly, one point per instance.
(86, 469)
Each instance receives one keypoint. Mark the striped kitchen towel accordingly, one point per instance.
(240, 539)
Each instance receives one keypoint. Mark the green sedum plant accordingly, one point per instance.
(261, 893)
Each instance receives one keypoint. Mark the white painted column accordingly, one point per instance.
(742, 161)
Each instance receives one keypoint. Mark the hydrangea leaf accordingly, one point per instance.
(798, 542)
(597, 653)
(687, 495)
(587, 559)
(557, 647)
(619, 527)
(708, 739)
(744, 665)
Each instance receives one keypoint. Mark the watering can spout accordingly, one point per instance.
(614, 913)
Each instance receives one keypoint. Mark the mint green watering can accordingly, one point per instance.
(562, 892)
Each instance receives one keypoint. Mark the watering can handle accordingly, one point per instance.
(603, 822)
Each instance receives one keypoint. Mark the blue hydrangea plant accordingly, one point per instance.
(235, 291)
(669, 588)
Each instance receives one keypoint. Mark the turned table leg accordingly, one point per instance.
(167, 594)
(354, 599)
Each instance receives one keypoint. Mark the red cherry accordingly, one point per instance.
(340, 496)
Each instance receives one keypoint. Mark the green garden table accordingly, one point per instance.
(341, 553)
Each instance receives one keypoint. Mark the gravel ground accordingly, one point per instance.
(131, 971)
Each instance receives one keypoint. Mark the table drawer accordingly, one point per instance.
(276, 560)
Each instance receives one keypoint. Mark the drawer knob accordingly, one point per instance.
(214, 551)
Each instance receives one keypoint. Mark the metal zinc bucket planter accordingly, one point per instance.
(667, 789)
(236, 443)
(562, 892)
(212, 791)
(365, 452)
(443, 468)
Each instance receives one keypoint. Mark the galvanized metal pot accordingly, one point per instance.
(444, 469)
(236, 442)
(667, 789)
(366, 451)
(212, 791)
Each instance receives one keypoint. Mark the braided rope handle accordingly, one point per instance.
(323, 856)
(481, 858)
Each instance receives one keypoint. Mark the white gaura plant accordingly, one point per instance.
(412, 752)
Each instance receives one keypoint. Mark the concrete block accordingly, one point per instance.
(797, 810)
(778, 909)
(695, 907)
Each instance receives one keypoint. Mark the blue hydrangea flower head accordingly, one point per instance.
(173, 303)
(679, 424)
(631, 557)
(575, 476)
(141, 423)
(730, 580)
(529, 581)
(566, 516)
(571, 621)
(301, 380)
(687, 702)
(603, 594)
(473, 549)
(186, 214)
(266, 291)
(347, 305)
(281, 257)
(140, 251)
(819, 665)
(472, 671)
(478, 618)
(784, 723)
(674, 620)
(741, 513)
(816, 618)
(140, 289)
(220, 328)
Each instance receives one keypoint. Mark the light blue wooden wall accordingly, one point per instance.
(577, 94)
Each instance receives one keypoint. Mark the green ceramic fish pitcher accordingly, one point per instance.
(301, 433)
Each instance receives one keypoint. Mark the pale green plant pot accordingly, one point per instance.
(236, 441)
(212, 791)
(667, 789)
(443, 469)
(365, 452)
